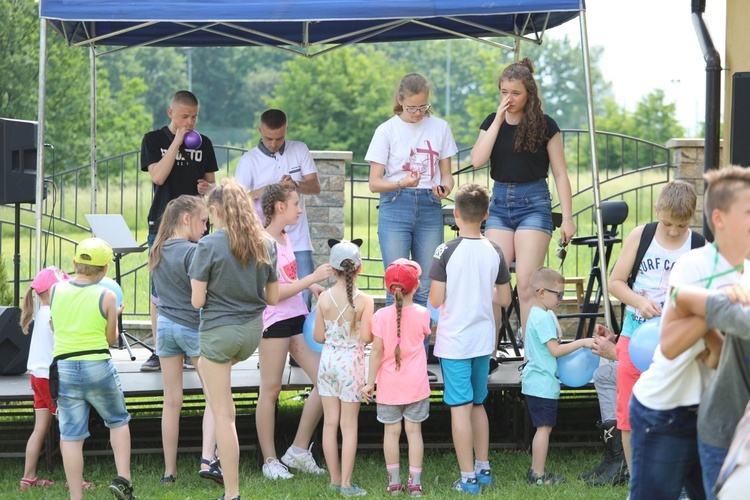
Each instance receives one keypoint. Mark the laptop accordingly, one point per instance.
(113, 229)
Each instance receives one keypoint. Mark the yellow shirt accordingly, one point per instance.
(79, 320)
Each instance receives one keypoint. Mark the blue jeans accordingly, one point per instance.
(410, 225)
(664, 453)
(305, 267)
(712, 458)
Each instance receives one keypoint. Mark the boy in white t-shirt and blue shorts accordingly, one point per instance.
(478, 276)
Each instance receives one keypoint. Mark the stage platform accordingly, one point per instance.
(509, 423)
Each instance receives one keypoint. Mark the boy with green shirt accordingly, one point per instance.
(84, 319)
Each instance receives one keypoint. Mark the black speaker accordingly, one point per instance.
(17, 161)
(739, 151)
(14, 345)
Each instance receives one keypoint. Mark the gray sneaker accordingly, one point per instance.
(152, 364)
(353, 491)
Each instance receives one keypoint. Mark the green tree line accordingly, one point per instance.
(334, 101)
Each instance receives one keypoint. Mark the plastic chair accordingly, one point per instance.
(614, 213)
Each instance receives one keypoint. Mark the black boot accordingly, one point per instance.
(616, 470)
(605, 461)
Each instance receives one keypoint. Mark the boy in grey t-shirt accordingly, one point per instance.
(723, 403)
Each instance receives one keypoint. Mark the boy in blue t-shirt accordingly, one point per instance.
(540, 384)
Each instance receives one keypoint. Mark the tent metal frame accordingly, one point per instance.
(311, 49)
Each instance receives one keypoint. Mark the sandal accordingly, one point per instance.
(39, 483)
(170, 479)
(213, 472)
(86, 486)
(394, 489)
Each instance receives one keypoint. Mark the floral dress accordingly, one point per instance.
(342, 362)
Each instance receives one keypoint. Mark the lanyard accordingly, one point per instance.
(709, 279)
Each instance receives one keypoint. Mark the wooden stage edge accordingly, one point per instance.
(510, 425)
(245, 378)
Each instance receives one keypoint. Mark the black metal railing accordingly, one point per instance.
(630, 169)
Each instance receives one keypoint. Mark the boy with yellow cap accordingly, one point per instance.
(84, 318)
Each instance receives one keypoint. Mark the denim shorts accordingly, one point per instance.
(413, 412)
(84, 384)
(543, 411)
(174, 339)
(465, 380)
(227, 342)
(521, 206)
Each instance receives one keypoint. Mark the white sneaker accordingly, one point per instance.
(273, 469)
(302, 461)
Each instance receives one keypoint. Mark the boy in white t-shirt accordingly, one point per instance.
(465, 339)
(664, 406)
(276, 159)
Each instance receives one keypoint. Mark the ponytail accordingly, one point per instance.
(27, 313)
(399, 302)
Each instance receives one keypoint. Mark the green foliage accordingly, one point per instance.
(337, 100)
(6, 291)
(163, 71)
(122, 119)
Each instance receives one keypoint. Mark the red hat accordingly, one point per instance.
(48, 277)
(402, 272)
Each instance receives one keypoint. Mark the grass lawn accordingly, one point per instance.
(440, 470)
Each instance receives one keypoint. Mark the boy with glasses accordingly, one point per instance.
(540, 384)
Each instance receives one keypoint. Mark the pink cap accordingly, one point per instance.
(402, 272)
(48, 277)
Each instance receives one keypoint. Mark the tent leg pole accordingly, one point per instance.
(92, 61)
(595, 169)
(40, 146)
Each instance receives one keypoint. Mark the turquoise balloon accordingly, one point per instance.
(308, 329)
(111, 284)
(643, 344)
(577, 368)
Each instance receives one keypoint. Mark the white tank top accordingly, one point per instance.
(653, 276)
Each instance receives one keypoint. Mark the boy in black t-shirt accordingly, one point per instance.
(175, 170)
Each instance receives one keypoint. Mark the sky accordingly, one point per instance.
(652, 44)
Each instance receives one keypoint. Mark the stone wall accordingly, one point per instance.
(325, 212)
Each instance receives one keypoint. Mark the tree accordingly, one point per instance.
(655, 119)
(163, 71)
(337, 100)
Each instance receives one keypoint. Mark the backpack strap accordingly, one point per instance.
(649, 230)
(696, 240)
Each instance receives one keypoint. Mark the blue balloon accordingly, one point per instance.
(434, 313)
(643, 344)
(111, 284)
(308, 329)
(577, 368)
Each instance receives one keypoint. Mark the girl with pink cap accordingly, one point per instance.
(40, 357)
